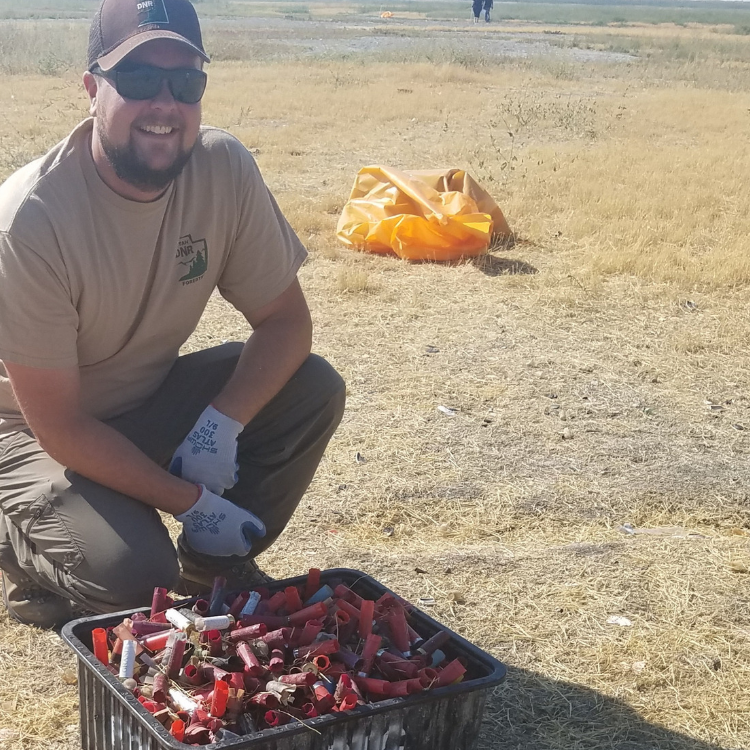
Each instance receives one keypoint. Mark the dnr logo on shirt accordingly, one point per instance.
(192, 259)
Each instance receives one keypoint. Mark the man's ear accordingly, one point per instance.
(91, 85)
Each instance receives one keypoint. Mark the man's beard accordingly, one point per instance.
(130, 168)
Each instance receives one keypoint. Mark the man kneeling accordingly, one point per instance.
(110, 248)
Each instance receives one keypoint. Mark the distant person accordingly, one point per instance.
(477, 9)
(111, 245)
(487, 5)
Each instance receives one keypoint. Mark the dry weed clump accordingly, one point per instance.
(538, 440)
(352, 280)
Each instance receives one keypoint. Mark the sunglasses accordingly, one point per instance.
(145, 81)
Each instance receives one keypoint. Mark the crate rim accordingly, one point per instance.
(128, 700)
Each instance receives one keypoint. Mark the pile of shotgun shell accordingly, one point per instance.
(232, 665)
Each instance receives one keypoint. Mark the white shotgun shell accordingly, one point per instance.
(127, 660)
(220, 622)
(178, 619)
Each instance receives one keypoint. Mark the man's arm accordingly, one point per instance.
(280, 343)
(50, 403)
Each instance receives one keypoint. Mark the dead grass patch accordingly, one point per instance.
(595, 374)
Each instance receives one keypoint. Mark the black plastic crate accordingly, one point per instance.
(446, 718)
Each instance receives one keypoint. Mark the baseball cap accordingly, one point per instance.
(120, 26)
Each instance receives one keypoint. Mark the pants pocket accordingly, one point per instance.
(43, 526)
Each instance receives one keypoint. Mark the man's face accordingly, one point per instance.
(148, 142)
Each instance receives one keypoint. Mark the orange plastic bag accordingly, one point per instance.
(420, 214)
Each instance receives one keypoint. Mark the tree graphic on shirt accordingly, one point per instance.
(198, 266)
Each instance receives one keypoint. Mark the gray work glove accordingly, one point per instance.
(208, 455)
(214, 526)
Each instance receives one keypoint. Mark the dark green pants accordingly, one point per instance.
(108, 551)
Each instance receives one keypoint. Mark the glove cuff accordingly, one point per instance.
(182, 517)
(224, 422)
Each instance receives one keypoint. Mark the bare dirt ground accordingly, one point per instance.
(594, 461)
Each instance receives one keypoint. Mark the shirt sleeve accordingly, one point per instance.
(266, 253)
(38, 320)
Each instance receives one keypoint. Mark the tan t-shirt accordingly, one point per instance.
(89, 278)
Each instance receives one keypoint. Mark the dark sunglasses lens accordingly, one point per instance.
(138, 84)
(187, 86)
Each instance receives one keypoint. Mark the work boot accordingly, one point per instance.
(29, 603)
(196, 579)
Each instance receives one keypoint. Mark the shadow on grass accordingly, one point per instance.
(491, 265)
(531, 712)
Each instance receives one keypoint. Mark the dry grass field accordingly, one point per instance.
(596, 461)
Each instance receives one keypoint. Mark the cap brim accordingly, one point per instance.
(119, 53)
